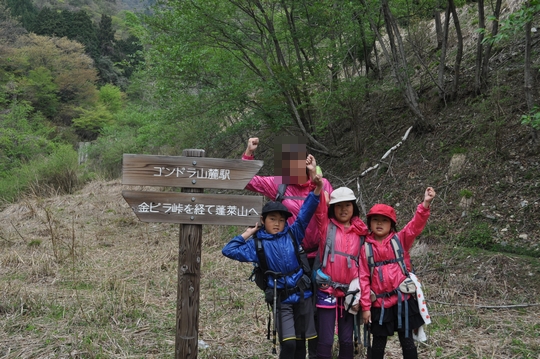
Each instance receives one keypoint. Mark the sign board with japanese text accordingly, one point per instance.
(188, 172)
(191, 208)
(194, 208)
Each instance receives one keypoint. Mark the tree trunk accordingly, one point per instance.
(293, 94)
(399, 61)
(442, 62)
(438, 27)
(459, 55)
(479, 48)
(487, 53)
(528, 74)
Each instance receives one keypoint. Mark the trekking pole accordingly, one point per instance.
(367, 340)
(355, 328)
(274, 274)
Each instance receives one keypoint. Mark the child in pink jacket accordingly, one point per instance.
(384, 306)
(340, 229)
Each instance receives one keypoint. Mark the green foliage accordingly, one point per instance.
(23, 9)
(128, 55)
(43, 176)
(515, 23)
(57, 173)
(465, 193)
(112, 98)
(92, 120)
(532, 119)
(23, 136)
(53, 74)
(40, 89)
(479, 236)
(48, 22)
(217, 67)
(105, 153)
(105, 35)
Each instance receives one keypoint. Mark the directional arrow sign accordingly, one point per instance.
(188, 172)
(194, 208)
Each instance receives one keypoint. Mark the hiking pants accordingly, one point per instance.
(294, 322)
(407, 346)
(327, 321)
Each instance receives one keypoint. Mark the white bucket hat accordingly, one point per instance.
(342, 194)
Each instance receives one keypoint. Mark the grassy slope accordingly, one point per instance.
(103, 286)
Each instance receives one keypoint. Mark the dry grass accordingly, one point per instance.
(81, 277)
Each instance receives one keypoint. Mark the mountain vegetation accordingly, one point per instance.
(350, 77)
(391, 97)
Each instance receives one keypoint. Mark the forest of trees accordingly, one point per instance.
(204, 73)
(63, 77)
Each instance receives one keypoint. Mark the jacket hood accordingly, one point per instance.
(371, 239)
(357, 226)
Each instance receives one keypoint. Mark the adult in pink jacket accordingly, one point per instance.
(299, 186)
(392, 310)
(340, 229)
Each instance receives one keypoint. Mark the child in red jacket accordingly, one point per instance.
(384, 305)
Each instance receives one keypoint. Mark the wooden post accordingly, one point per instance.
(189, 276)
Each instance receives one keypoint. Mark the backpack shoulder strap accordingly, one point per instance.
(261, 256)
(281, 192)
(329, 248)
(280, 196)
(368, 248)
(329, 245)
(301, 256)
(399, 253)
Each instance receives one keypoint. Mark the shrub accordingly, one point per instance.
(479, 236)
(43, 176)
(105, 154)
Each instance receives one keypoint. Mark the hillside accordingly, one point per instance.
(81, 277)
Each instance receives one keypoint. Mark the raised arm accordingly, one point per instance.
(417, 224)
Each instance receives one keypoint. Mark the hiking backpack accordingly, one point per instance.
(398, 252)
(259, 276)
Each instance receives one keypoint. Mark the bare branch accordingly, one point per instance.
(387, 153)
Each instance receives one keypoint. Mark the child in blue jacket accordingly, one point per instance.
(294, 311)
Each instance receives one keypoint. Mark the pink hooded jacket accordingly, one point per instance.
(294, 198)
(391, 273)
(347, 240)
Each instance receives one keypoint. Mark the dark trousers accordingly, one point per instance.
(327, 320)
(407, 346)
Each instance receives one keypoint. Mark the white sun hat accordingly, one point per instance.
(342, 194)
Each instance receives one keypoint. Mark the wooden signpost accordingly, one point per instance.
(191, 209)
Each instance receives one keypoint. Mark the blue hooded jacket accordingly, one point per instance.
(279, 250)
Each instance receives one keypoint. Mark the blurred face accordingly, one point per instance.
(380, 226)
(343, 212)
(292, 167)
(274, 222)
(290, 161)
